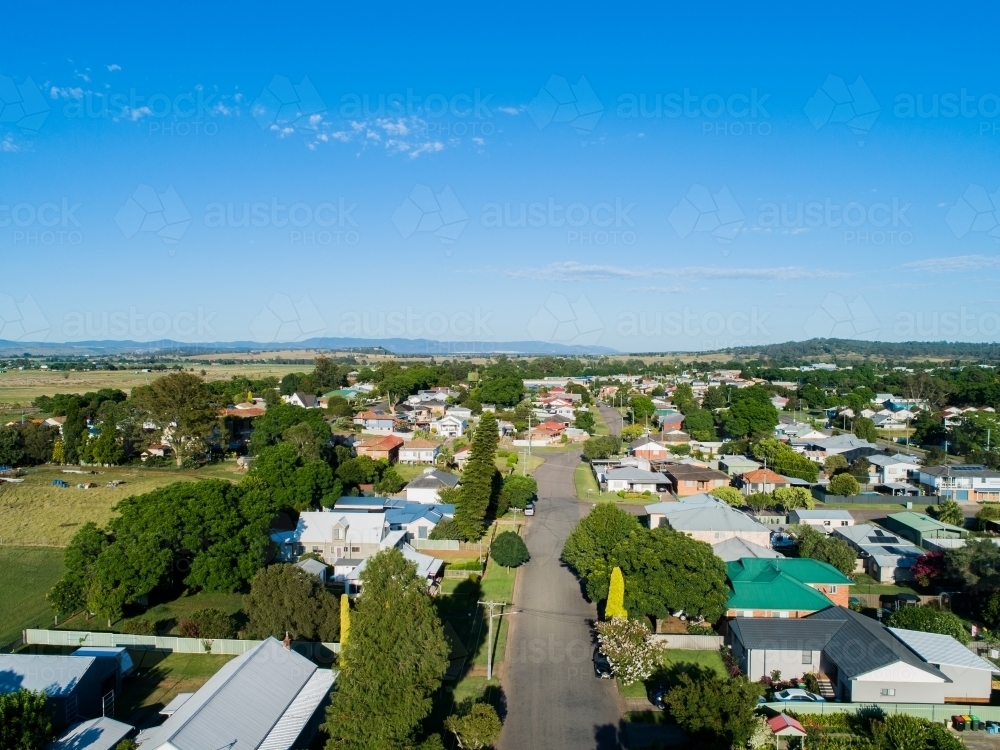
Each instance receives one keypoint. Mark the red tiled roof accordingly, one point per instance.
(783, 724)
(764, 476)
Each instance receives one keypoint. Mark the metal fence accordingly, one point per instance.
(443, 544)
(223, 646)
(689, 642)
(931, 711)
(915, 501)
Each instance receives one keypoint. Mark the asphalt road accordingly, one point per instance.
(554, 700)
(612, 416)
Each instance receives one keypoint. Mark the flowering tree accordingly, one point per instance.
(629, 647)
(928, 567)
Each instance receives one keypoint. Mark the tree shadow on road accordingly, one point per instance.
(610, 736)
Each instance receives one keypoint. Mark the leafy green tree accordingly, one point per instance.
(208, 623)
(480, 485)
(286, 599)
(844, 484)
(865, 429)
(517, 492)
(714, 398)
(181, 402)
(642, 408)
(504, 389)
(667, 571)
(752, 414)
(819, 546)
(834, 462)
(70, 592)
(928, 620)
(791, 498)
(25, 721)
(760, 501)
(475, 727)
(949, 512)
(294, 482)
(589, 547)
(974, 566)
(729, 495)
(987, 512)
(446, 529)
(785, 461)
(700, 424)
(509, 550)
(934, 457)
(585, 421)
(271, 427)
(716, 711)
(601, 447)
(392, 664)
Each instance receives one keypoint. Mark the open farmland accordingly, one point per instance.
(34, 512)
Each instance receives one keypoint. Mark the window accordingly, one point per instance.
(316, 549)
(746, 613)
(888, 691)
(355, 549)
(336, 533)
(807, 657)
(421, 532)
(826, 523)
(783, 614)
(843, 523)
(833, 589)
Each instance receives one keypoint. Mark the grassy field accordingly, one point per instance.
(168, 614)
(26, 574)
(584, 479)
(674, 662)
(22, 386)
(34, 512)
(600, 426)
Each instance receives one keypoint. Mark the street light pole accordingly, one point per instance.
(489, 643)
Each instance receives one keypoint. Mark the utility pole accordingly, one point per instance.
(489, 643)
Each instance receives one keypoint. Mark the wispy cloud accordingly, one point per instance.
(573, 271)
(8, 146)
(70, 92)
(114, 66)
(955, 264)
(512, 110)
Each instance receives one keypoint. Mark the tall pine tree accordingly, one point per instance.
(480, 481)
(393, 662)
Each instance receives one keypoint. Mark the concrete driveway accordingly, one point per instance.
(553, 698)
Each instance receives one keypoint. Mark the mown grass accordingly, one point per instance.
(675, 661)
(160, 676)
(26, 574)
(166, 615)
(584, 479)
(34, 512)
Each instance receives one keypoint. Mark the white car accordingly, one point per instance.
(793, 695)
(529, 509)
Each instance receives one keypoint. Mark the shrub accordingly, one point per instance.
(508, 549)
(928, 620)
(213, 623)
(844, 484)
(446, 529)
(729, 495)
(139, 626)
(476, 726)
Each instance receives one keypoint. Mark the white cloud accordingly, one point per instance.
(8, 146)
(67, 93)
(511, 110)
(114, 66)
(657, 290)
(955, 264)
(573, 271)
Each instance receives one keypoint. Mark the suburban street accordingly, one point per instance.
(612, 416)
(554, 699)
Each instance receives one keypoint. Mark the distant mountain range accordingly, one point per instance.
(395, 346)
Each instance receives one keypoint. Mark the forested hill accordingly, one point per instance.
(795, 351)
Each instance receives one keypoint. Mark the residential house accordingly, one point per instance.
(825, 520)
(335, 536)
(736, 465)
(688, 479)
(157, 450)
(646, 447)
(461, 457)
(629, 479)
(918, 527)
(74, 686)
(417, 520)
(300, 398)
(380, 448)
(972, 482)
(861, 660)
(674, 437)
(426, 487)
(762, 480)
(783, 587)
(269, 697)
(419, 451)
(449, 426)
(971, 676)
(893, 469)
(375, 421)
(461, 412)
(885, 556)
(315, 567)
(709, 520)
(670, 421)
(779, 402)
(849, 446)
(55, 422)
(430, 569)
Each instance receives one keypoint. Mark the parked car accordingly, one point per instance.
(793, 695)
(529, 509)
(657, 696)
(602, 667)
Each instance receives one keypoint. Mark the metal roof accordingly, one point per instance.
(56, 676)
(101, 733)
(942, 649)
(291, 723)
(433, 479)
(241, 705)
(818, 515)
(802, 569)
(627, 473)
(736, 548)
(782, 634)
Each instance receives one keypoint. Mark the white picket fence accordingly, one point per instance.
(222, 646)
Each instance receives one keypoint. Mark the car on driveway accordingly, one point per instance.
(797, 695)
(529, 509)
(602, 667)
(658, 697)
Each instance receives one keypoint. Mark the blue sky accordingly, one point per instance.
(689, 179)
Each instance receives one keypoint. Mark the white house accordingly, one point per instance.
(334, 536)
(966, 482)
(636, 480)
(419, 451)
(426, 488)
(305, 400)
(895, 468)
(822, 520)
(449, 426)
(460, 411)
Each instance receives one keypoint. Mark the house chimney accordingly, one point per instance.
(287, 642)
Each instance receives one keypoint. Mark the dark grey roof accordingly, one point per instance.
(967, 470)
(433, 480)
(779, 634)
(862, 645)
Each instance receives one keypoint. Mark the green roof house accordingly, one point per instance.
(783, 587)
(917, 527)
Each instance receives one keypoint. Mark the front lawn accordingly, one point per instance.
(587, 488)
(166, 614)
(26, 575)
(673, 663)
(160, 676)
